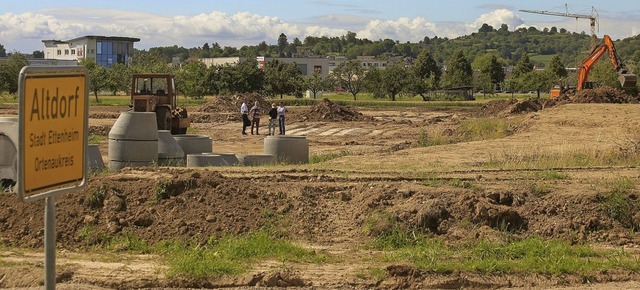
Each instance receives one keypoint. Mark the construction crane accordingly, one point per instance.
(593, 18)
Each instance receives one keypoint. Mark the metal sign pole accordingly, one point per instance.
(50, 244)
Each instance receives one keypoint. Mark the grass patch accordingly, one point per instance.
(122, 100)
(539, 189)
(231, 255)
(620, 204)
(128, 243)
(95, 197)
(551, 175)
(468, 130)
(371, 273)
(539, 159)
(319, 158)
(531, 255)
(387, 233)
(162, 190)
(484, 129)
(96, 139)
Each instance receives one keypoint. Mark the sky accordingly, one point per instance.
(192, 23)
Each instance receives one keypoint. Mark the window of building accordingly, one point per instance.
(59, 52)
(99, 47)
(73, 52)
(66, 52)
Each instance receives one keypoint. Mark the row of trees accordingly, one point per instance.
(509, 46)
(421, 76)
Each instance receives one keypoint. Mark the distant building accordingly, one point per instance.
(307, 65)
(105, 50)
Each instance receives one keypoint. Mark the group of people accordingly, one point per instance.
(251, 117)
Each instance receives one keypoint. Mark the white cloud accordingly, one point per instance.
(496, 18)
(24, 32)
(402, 29)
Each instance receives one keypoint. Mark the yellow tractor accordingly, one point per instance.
(157, 93)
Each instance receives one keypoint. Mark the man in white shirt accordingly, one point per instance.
(244, 110)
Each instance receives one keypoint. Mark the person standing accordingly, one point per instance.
(255, 117)
(282, 110)
(244, 110)
(273, 119)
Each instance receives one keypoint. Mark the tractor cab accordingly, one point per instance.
(157, 93)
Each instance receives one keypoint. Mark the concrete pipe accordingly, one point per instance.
(287, 149)
(94, 158)
(8, 148)
(204, 160)
(229, 158)
(168, 148)
(133, 150)
(133, 140)
(191, 144)
(259, 159)
(135, 126)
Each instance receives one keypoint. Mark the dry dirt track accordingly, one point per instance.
(328, 203)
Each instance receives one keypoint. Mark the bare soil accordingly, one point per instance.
(326, 206)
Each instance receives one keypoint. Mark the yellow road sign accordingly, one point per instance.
(53, 130)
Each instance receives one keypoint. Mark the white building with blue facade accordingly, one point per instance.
(105, 50)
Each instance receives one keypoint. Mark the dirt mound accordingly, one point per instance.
(597, 95)
(503, 108)
(227, 108)
(330, 111)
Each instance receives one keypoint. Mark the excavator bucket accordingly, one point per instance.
(628, 80)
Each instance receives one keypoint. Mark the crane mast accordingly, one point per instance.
(593, 19)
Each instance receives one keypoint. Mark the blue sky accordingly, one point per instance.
(189, 23)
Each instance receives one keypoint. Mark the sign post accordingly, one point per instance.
(53, 122)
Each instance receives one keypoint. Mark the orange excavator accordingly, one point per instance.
(626, 79)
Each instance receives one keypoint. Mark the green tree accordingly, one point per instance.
(523, 67)
(373, 82)
(212, 82)
(282, 44)
(3, 51)
(556, 67)
(281, 78)
(425, 75)
(97, 76)
(350, 76)
(491, 72)
(316, 83)
(537, 80)
(603, 74)
(458, 72)
(192, 79)
(244, 77)
(118, 78)
(395, 79)
(150, 62)
(37, 54)
(10, 71)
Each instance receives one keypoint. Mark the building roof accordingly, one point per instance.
(96, 37)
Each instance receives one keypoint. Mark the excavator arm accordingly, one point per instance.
(626, 80)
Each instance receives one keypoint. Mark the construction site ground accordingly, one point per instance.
(380, 166)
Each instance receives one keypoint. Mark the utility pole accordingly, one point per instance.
(593, 19)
